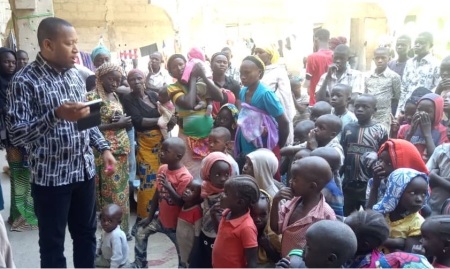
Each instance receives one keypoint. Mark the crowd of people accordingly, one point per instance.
(337, 169)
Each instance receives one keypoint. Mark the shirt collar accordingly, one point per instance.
(235, 222)
(426, 59)
(45, 65)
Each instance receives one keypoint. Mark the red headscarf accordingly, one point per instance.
(207, 188)
(403, 155)
(438, 107)
(135, 71)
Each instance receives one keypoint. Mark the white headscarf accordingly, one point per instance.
(265, 165)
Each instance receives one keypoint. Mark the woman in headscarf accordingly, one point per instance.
(276, 77)
(22, 216)
(195, 126)
(392, 155)
(113, 189)
(141, 106)
(230, 88)
(262, 164)
(262, 122)
(426, 131)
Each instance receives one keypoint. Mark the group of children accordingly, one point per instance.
(341, 161)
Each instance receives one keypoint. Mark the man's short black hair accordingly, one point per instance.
(48, 28)
(322, 35)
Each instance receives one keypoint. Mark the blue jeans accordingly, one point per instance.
(141, 241)
(57, 207)
(132, 156)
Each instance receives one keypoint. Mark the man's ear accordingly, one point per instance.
(179, 156)
(47, 44)
(332, 258)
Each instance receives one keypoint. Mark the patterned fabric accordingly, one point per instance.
(118, 139)
(148, 164)
(59, 153)
(385, 87)
(294, 233)
(198, 146)
(334, 198)
(351, 77)
(403, 260)
(114, 189)
(419, 73)
(396, 185)
(22, 215)
(365, 261)
(254, 124)
(356, 142)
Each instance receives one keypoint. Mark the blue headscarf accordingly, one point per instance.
(99, 50)
(396, 185)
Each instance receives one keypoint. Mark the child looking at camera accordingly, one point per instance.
(189, 220)
(236, 245)
(406, 193)
(113, 252)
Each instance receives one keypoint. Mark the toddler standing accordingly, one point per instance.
(189, 220)
(113, 252)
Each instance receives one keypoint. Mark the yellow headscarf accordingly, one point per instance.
(272, 51)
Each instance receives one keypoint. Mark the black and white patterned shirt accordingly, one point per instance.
(59, 154)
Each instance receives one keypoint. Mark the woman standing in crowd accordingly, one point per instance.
(262, 122)
(195, 126)
(276, 77)
(22, 215)
(230, 87)
(141, 106)
(113, 189)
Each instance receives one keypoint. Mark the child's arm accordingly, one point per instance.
(172, 192)
(284, 193)
(271, 253)
(410, 242)
(151, 213)
(251, 256)
(395, 243)
(437, 181)
(216, 214)
(290, 150)
(425, 125)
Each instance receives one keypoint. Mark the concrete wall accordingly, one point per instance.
(123, 25)
(5, 15)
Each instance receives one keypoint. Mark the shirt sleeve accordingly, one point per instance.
(97, 140)
(23, 124)
(321, 81)
(404, 88)
(358, 82)
(310, 66)
(117, 255)
(184, 180)
(369, 186)
(249, 237)
(175, 92)
(272, 104)
(432, 161)
(396, 87)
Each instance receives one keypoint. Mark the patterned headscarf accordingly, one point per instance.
(234, 111)
(100, 72)
(397, 182)
(207, 188)
(99, 50)
(403, 155)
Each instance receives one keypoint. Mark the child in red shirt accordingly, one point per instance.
(236, 244)
(172, 179)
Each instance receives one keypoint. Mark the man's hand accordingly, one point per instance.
(109, 162)
(71, 111)
(312, 142)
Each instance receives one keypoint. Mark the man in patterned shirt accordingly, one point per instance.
(45, 100)
(385, 85)
(420, 71)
